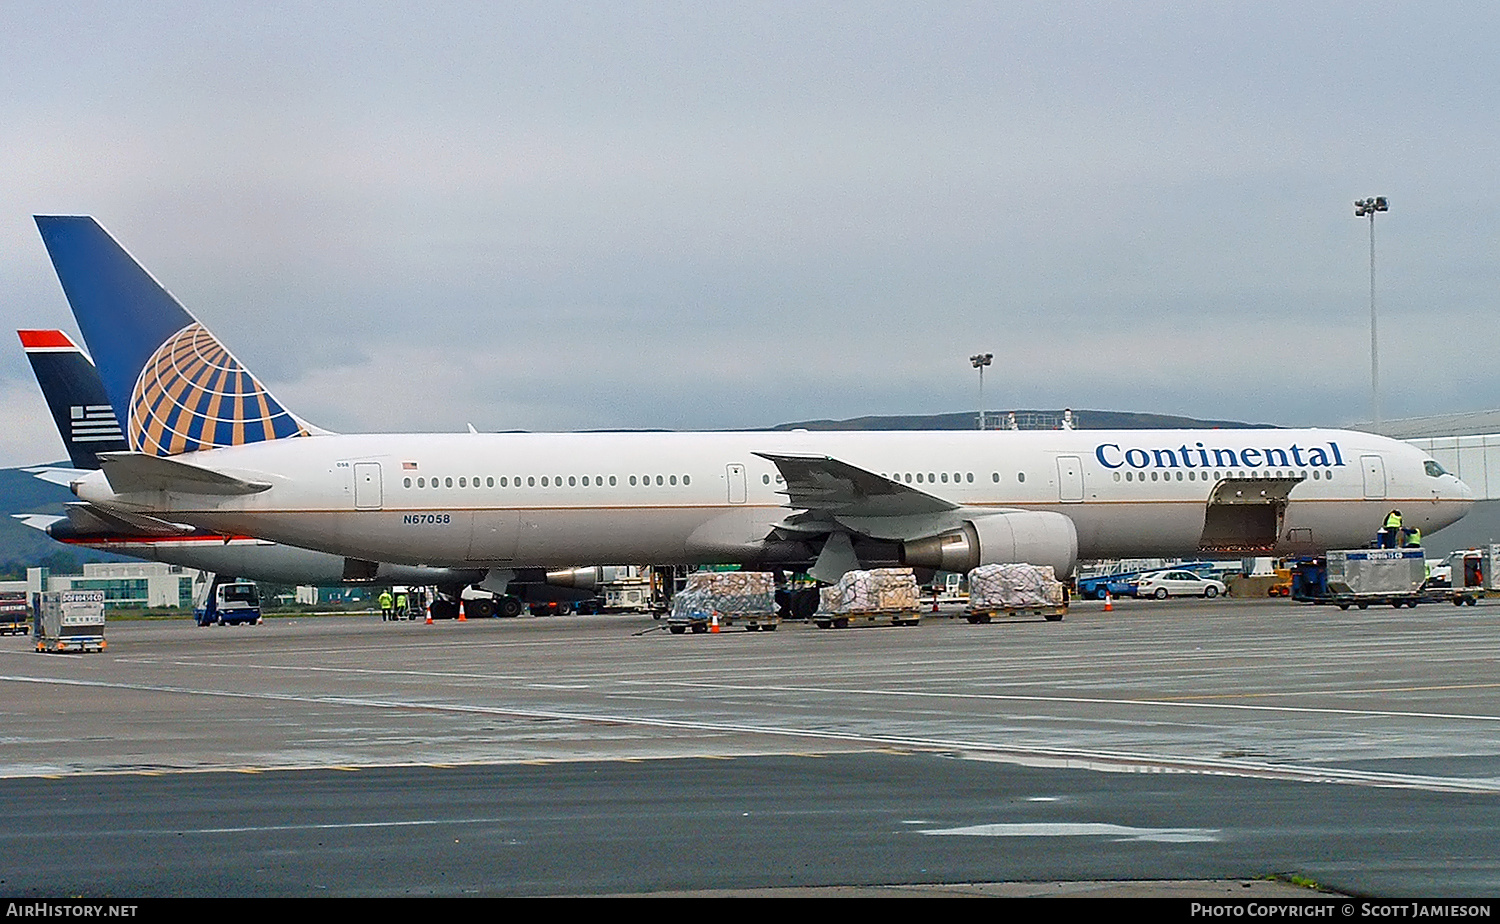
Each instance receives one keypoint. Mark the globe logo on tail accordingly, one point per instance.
(192, 394)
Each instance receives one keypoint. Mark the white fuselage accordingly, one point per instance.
(559, 499)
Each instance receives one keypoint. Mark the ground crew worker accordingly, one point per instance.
(1392, 532)
(1411, 538)
(401, 612)
(385, 606)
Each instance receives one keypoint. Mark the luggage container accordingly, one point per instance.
(15, 615)
(1364, 578)
(70, 620)
(1472, 574)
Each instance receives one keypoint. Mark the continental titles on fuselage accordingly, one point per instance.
(1111, 455)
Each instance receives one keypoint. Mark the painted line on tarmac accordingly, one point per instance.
(1085, 700)
(44, 834)
(1027, 756)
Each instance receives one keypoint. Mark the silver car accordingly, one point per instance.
(1164, 584)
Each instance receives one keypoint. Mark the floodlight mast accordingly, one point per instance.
(979, 361)
(1362, 208)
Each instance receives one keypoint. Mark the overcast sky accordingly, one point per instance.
(715, 215)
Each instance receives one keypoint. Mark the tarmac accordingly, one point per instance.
(1185, 748)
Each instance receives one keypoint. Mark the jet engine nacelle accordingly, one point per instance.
(591, 578)
(1034, 537)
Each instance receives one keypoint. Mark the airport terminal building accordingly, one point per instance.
(126, 585)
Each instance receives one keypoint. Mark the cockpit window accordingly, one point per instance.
(1434, 469)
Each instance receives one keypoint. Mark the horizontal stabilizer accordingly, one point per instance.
(37, 520)
(826, 485)
(134, 472)
(56, 474)
(90, 520)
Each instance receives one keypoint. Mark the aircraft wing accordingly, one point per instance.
(134, 472)
(823, 485)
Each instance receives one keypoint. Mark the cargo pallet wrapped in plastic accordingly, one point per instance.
(725, 598)
(1015, 590)
(871, 597)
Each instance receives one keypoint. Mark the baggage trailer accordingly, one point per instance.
(1364, 578)
(70, 620)
(991, 614)
(1009, 591)
(15, 614)
(714, 599)
(1473, 574)
(884, 596)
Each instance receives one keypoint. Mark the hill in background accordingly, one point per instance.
(968, 420)
(22, 547)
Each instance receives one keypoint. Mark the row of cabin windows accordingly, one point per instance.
(925, 478)
(1193, 475)
(944, 478)
(546, 481)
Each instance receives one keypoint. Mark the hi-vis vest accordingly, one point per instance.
(1393, 521)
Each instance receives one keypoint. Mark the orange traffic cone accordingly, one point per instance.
(713, 623)
(1109, 602)
(429, 615)
(461, 612)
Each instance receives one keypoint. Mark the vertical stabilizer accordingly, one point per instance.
(172, 384)
(85, 419)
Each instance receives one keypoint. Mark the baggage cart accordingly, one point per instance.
(70, 620)
(1009, 591)
(881, 597)
(714, 599)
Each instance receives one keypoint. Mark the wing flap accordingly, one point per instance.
(825, 485)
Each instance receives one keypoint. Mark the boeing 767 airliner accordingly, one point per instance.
(210, 446)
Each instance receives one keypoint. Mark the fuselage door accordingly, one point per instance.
(1069, 479)
(1374, 469)
(367, 486)
(734, 474)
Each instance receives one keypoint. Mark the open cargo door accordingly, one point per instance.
(1245, 514)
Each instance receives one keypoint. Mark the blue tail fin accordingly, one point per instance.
(172, 383)
(75, 395)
